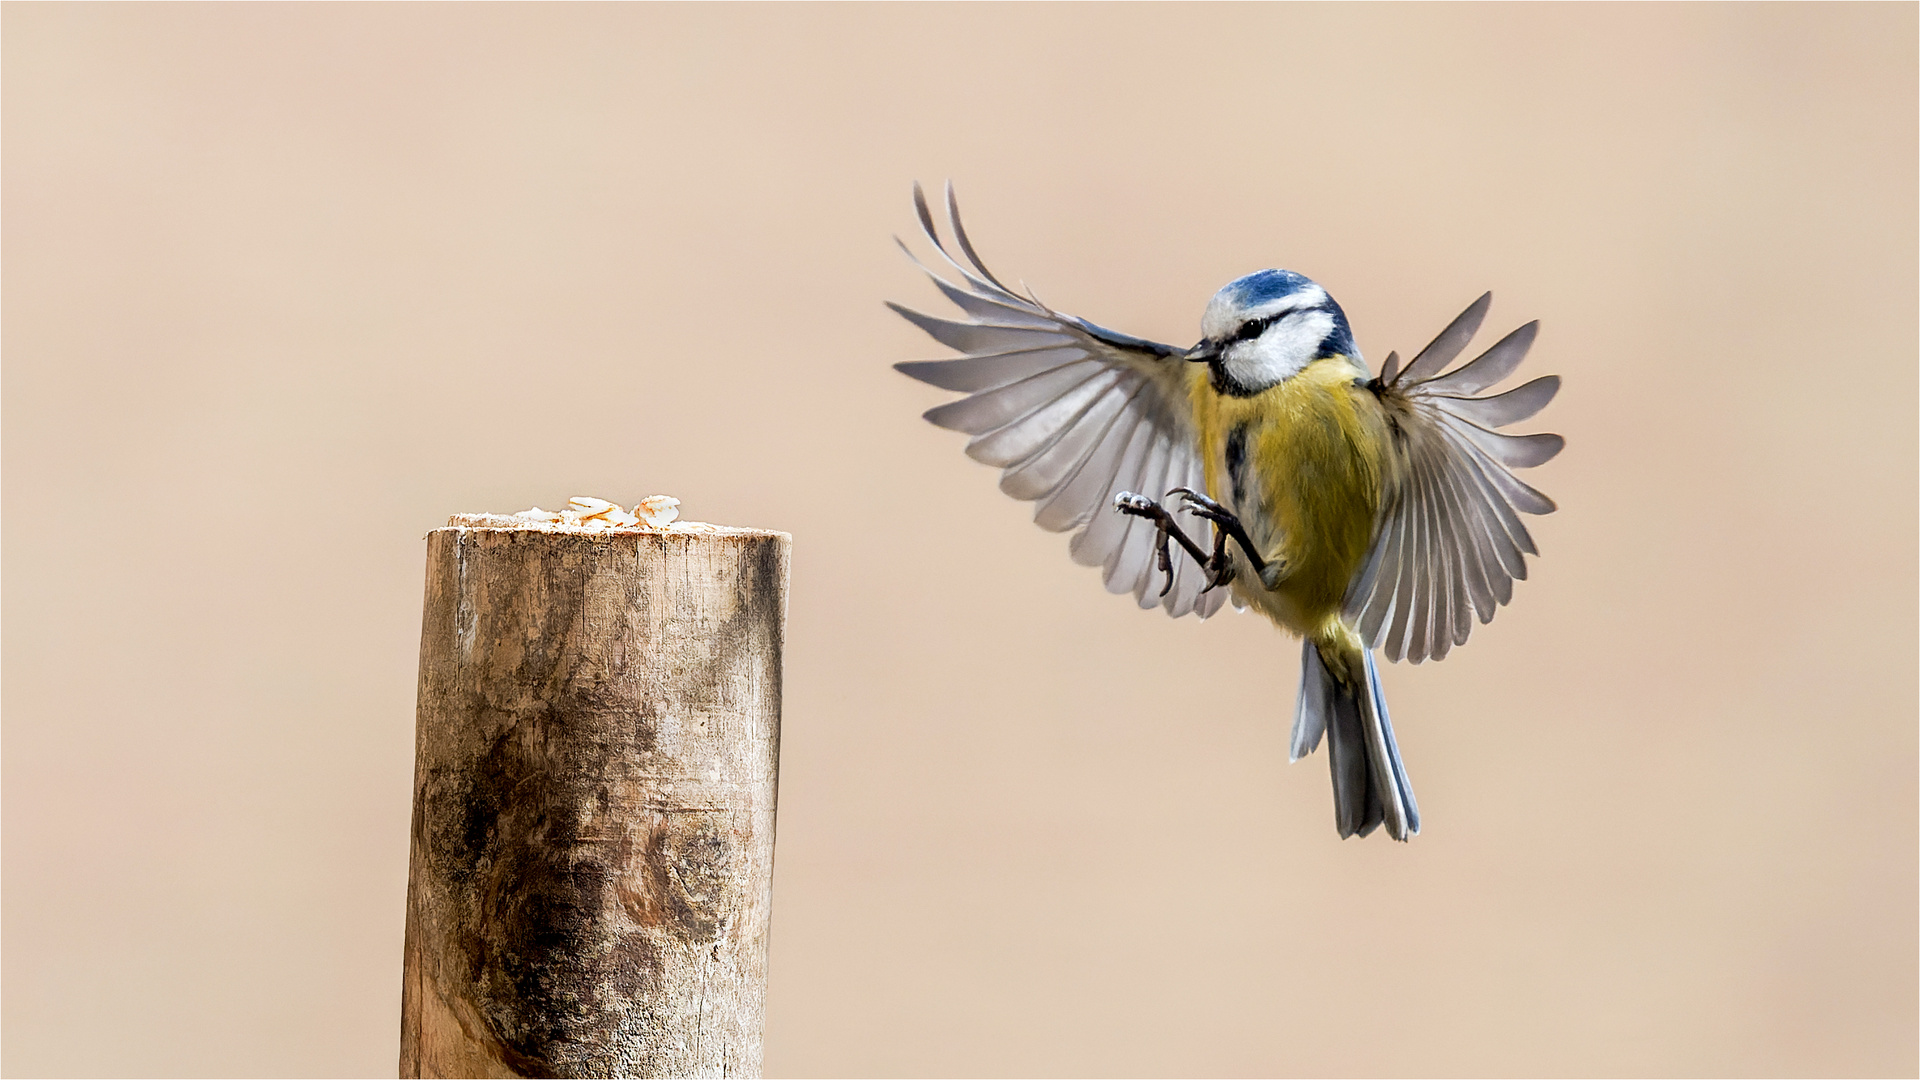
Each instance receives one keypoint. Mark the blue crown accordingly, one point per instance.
(1262, 286)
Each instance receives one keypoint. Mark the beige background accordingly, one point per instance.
(284, 286)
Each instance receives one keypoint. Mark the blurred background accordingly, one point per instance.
(287, 285)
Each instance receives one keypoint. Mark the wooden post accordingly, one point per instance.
(593, 803)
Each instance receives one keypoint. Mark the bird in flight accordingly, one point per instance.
(1267, 465)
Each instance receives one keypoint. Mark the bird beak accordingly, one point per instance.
(1203, 352)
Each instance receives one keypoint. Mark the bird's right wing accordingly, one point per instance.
(1072, 414)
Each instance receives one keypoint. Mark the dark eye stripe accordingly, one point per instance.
(1253, 328)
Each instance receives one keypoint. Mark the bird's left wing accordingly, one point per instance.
(1072, 414)
(1449, 542)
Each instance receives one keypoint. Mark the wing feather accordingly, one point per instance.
(1465, 568)
(1502, 409)
(960, 236)
(978, 285)
(1095, 545)
(980, 337)
(1449, 630)
(1447, 345)
(987, 371)
(1496, 499)
(1449, 543)
(976, 276)
(1373, 590)
(1013, 444)
(1430, 583)
(1073, 413)
(1399, 631)
(1379, 576)
(1091, 486)
(1472, 593)
(1522, 498)
(1388, 607)
(1489, 367)
(979, 305)
(1484, 579)
(995, 409)
(1043, 473)
(1513, 451)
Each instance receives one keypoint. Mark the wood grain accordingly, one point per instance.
(594, 787)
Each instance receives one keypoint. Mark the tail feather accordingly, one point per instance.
(1310, 717)
(1369, 782)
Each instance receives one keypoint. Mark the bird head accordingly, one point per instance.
(1265, 328)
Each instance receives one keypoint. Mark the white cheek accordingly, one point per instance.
(1281, 353)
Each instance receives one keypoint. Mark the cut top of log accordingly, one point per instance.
(656, 514)
(584, 514)
(678, 528)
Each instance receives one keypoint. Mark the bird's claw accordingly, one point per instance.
(1219, 572)
(1201, 506)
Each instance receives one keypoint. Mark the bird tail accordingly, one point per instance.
(1340, 696)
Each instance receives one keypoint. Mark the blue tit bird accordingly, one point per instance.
(1358, 512)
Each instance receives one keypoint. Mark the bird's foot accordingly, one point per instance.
(1226, 526)
(1165, 528)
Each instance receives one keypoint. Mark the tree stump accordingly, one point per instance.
(597, 755)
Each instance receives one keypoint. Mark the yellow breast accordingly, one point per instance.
(1300, 463)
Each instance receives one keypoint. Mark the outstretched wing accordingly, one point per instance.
(1072, 414)
(1449, 541)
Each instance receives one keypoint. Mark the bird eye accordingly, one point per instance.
(1253, 328)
